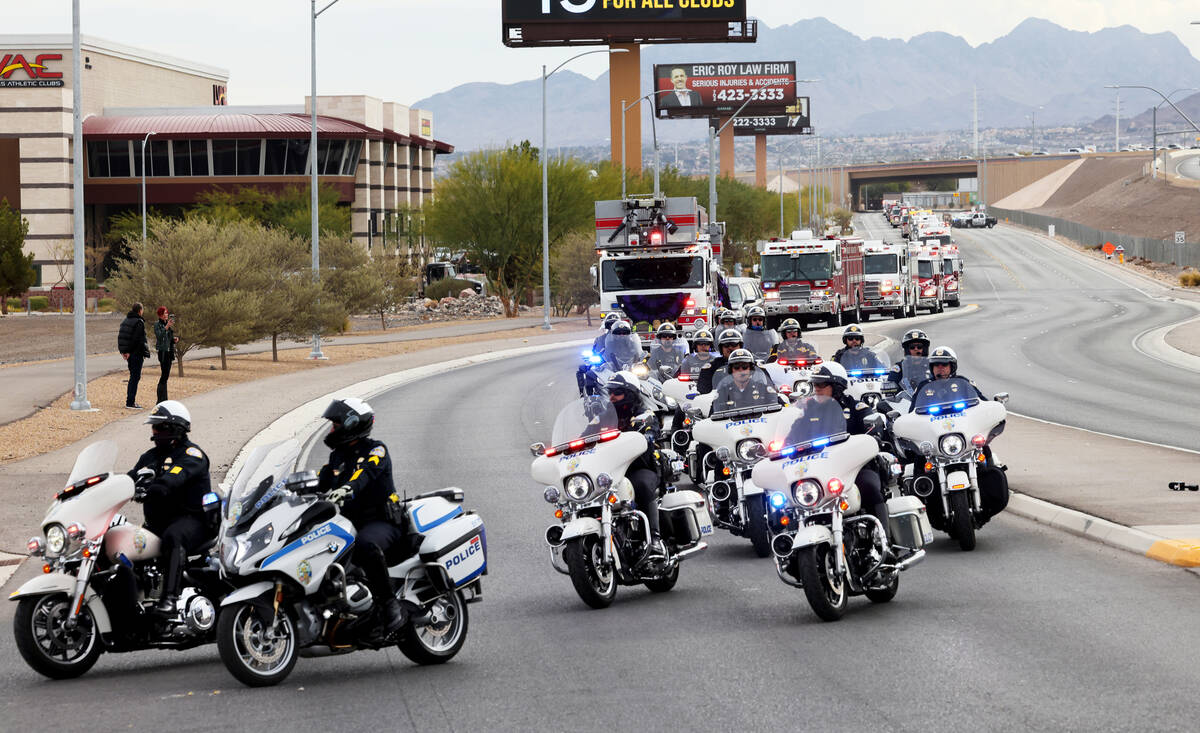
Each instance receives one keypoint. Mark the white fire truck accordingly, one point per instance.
(656, 264)
(888, 285)
(812, 279)
(925, 263)
(951, 275)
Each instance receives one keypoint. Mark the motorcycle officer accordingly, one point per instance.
(793, 348)
(726, 319)
(914, 343)
(741, 390)
(172, 479)
(830, 380)
(760, 340)
(852, 338)
(647, 472)
(729, 341)
(943, 364)
(597, 348)
(665, 353)
(358, 477)
(701, 356)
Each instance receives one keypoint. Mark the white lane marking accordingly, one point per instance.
(1106, 435)
(1183, 359)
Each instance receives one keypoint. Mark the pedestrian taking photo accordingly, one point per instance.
(164, 342)
(131, 342)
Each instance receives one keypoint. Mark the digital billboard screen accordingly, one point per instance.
(717, 89)
(601, 11)
(598, 22)
(796, 121)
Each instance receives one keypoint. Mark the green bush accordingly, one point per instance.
(39, 303)
(448, 286)
(89, 283)
(14, 304)
(106, 305)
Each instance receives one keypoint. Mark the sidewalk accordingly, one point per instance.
(43, 382)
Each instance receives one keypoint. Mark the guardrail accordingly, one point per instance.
(1156, 250)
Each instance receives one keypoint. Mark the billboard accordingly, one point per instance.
(598, 22)
(715, 90)
(797, 121)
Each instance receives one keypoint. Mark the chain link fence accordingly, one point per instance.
(1156, 250)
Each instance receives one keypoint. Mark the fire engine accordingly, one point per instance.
(810, 279)
(888, 285)
(951, 275)
(656, 264)
(925, 261)
(931, 227)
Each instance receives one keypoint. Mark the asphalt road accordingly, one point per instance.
(1035, 630)
(1058, 336)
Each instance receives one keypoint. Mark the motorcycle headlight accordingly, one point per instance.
(56, 540)
(229, 553)
(35, 546)
(641, 371)
(578, 487)
(952, 444)
(550, 495)
(604, 481)
(722, 454)
(807, 492)
(746, 447)
(802, 388)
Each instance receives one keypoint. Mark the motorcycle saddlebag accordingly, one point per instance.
(908, 523)
(684, 517)
(459, 546)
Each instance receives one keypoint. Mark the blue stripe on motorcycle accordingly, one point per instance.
(422, 527)
(472, 576)
(334, 530)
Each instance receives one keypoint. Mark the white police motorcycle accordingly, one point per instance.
(821, 541)
(866, 372)
(100, 578)
(602, 539)
(288, 552)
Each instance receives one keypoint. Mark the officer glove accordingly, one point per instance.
(340, 495)
(144, 477)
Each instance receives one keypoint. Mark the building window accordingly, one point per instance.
(182, 156)
(350, 161)
(224, 156)
(249, 157)
(199, 157)
(98, 159)
(297, 158)
(118, 158)
(276, 156)
(158, 158)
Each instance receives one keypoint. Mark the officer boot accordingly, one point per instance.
(374, 565)
(172, 577)
(880, 511)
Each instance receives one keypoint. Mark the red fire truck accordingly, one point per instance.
(926, 263)
(951, 276)
(812, 279)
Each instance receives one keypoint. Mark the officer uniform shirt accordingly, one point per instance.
(693, 363)
(731, 397)
(180, 483)
(920, 386)
(659, 356)
(365, 467)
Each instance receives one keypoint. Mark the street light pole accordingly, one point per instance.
(148, 134)
(81, 401)
(653, 129)
(545, 185)
(312, 164)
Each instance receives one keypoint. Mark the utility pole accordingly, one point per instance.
(1117, 129)
(975, 117)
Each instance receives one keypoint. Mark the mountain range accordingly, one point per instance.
(867, 86)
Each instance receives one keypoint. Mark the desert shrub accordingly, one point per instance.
(448, 286)
(39, 303)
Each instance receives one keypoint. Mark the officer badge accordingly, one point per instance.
(194, 452)
(378, 450)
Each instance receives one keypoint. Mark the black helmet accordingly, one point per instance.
(790, 324)
(741, 356)
(624, 383)
(170, 421)
(915, 335)
(609, 320)
(701, 337)
(666, 329)
(621, 328)
(944, 355)
(853, 331)
(730, 336)
(351, 419)
(830, 373)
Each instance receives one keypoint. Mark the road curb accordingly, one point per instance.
(1180, 553)
(9, 564)
(305, 419)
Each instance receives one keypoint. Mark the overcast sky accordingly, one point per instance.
(405, 50)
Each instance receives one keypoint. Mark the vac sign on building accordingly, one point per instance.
(17, 70)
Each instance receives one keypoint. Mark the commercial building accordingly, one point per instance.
(378, 155)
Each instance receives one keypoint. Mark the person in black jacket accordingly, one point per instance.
(646, 473)
(359, 479)
(172, 482)
(710, 375)
(131, 342)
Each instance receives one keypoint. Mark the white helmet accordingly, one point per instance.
(171, 412)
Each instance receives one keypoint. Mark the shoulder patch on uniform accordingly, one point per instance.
(194, 452)
(896, 368)
(378, 450)
(861, 406)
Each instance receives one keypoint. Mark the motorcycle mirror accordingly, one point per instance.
(875, 423)
(757, 451)
(1001, 397)
(882, 407)
(537, 449)
(893, 415)
(694, 412)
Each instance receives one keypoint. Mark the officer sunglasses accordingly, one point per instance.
(740, 368)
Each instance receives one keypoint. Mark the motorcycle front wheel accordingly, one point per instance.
(962, 523)
(584, 558)
(756, 525)
(45, 642)
(438, 641)
(254, 653)
(824, 588)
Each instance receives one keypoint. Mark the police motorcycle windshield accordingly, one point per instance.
(755, 395)
(97, 459)
(913, 371)
(821, 421)
(797, 350)
(863, 360)
(944, 396)
(584, 418)
(758, 343)
(253, 498)
(623, 351)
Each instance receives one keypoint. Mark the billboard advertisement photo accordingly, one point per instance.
(797, 121)
(713, 90)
